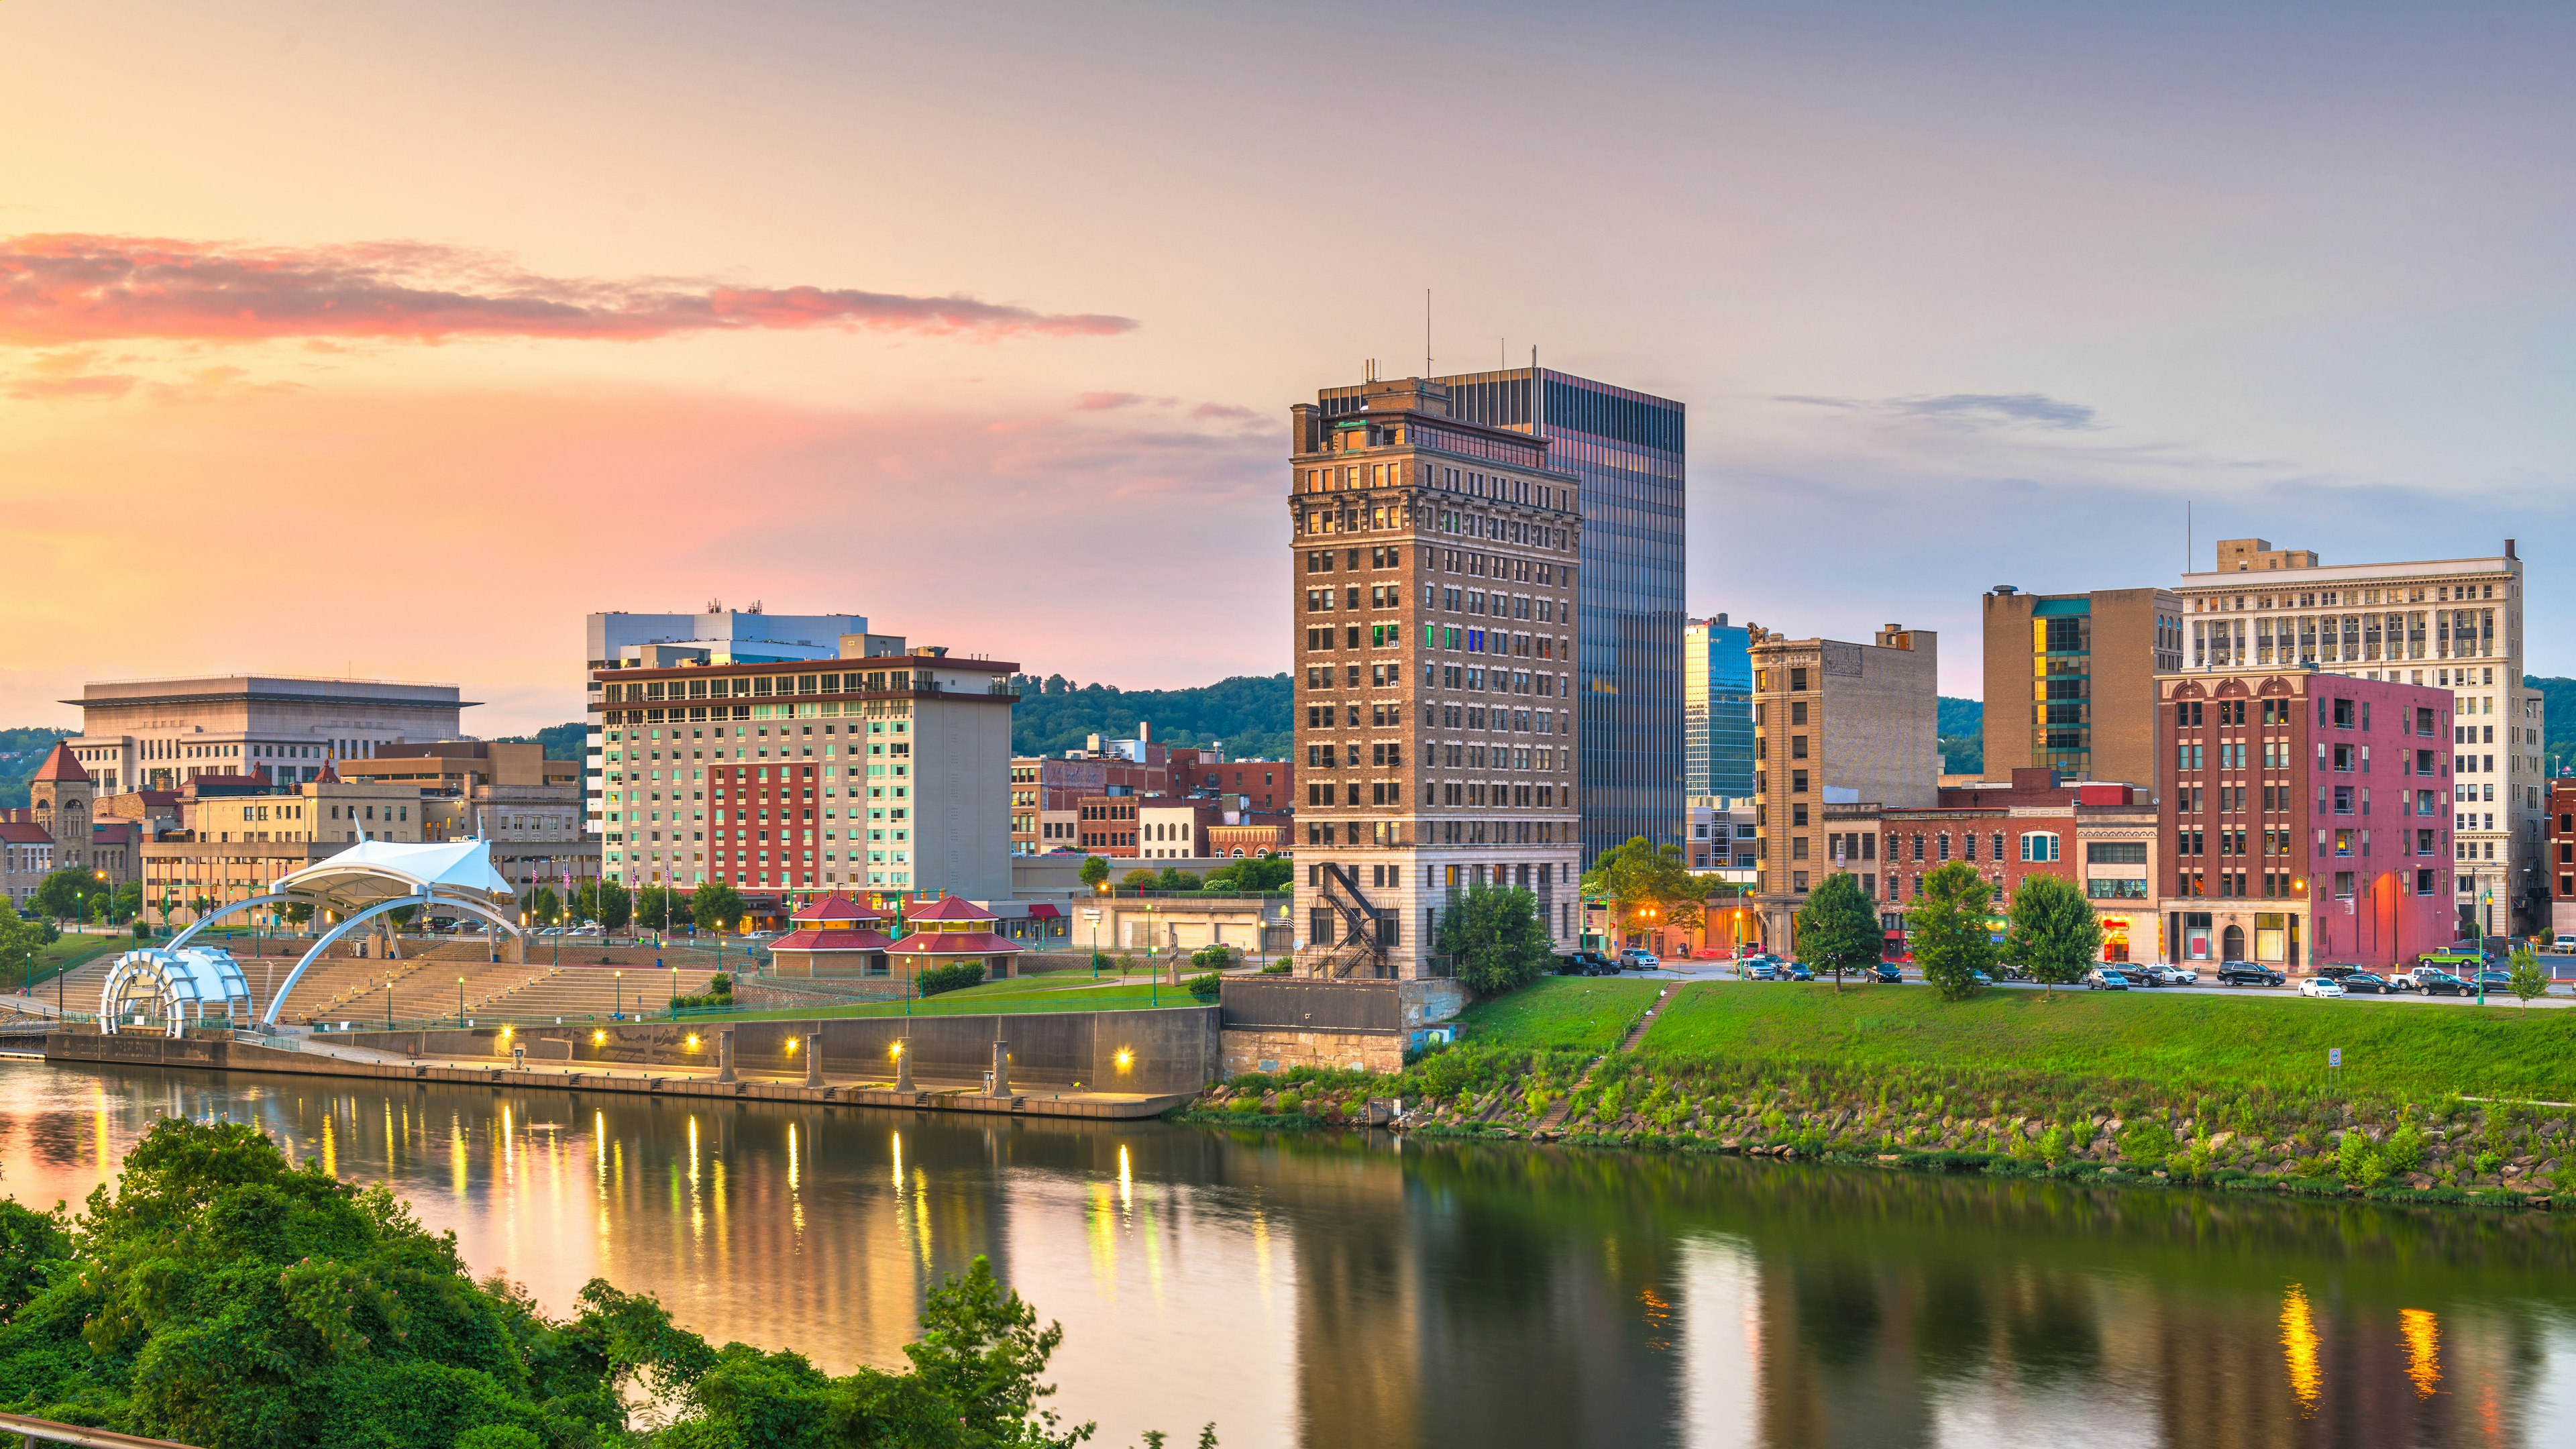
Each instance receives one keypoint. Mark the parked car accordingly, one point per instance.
(2491, 981)
(2173, 975)
(1793, 971)
(1569, 964)
(2248, 973)
(2320, 986)
(2335, 970)
(1759, 968)
(2434, 982)
(1883, 971)
(2105, 978)
(1635, 959)
(2365, 983)
(1981, 978)
(2562, 944)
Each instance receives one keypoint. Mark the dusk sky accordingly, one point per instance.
(392, 338)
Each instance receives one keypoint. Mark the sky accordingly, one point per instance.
(389, 340)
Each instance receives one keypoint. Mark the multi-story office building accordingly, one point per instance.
(717, 636)
(2275, 848)
(1835, 724)
(2562, 856)
(1627, 448)
(885, 774)
(1717, 709)
(2071, 680)
(160, 733)
(2453, 624)
(1436, 565)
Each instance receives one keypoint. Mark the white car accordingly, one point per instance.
(2563, 945)
(2320, 986)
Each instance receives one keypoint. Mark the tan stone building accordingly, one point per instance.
(1434, 564)
(2071, 680)
(1834, 723)
(160, 733)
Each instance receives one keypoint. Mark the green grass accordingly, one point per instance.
(2406, 1049)
(1565, 1013)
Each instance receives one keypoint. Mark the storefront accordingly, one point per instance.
(2272, 938)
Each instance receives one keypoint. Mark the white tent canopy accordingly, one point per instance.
(380, 870)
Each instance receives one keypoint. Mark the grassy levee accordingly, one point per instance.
(1560, 1013)
(2415, 1050)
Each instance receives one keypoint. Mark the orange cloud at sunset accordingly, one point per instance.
(68, 288)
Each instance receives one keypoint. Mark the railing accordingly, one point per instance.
(1124, 893)
(46, 1431)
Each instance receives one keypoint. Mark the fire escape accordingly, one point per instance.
(1361, 947)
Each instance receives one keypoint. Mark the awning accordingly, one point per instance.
(1043, 910)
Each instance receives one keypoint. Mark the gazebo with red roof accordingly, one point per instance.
(951, 930)
(835, 936)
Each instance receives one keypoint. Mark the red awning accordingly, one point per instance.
(1041, 910)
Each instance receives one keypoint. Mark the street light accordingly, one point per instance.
(460, 1001)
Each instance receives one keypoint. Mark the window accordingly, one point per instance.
(2115, 852)
(2041, 845)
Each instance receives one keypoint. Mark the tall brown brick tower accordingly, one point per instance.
(1434, 564)
(64, 796)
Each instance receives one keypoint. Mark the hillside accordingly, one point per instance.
(21, 751)
(2557, 718)
(1249, 713)
(562, 742)
(1962, 727)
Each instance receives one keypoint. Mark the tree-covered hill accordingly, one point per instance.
(21, 751)
(1249, 713)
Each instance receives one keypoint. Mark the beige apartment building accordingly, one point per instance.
(1834, 724)
(1434, 563)
(2071, 680)
(2454, 624)
(883, 774)
(159, 733)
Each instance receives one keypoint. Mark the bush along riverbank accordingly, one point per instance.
(2002, 1122)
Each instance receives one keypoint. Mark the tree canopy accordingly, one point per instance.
(1838, 928)
(1254, 873)
(223, 1298)
(1642, 877)
(1094, 871)
(2054, 935)
(1947, 927)
(1494, 936)
(717, 906)
(64, 894)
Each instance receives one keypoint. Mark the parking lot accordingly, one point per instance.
(2562, 990)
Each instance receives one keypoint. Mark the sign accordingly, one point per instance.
(2334, 1056)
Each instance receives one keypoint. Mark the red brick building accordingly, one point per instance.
(1266, 784)
(2094, 835)
(2562, 855)
(2306, 818)
(1107, 824)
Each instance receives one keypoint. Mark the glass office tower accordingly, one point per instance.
(1717, 709)
(1627, 447)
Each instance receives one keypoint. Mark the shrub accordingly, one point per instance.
(956, 977)
(1206, 987)
(2357, 1161)
(1213, 955)
(1278, 968)
(1244, 1104)
(2146, 1143)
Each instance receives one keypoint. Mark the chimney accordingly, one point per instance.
(1145, 731)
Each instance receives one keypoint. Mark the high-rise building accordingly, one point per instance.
(1627, 448)
(1717, 710)
(2071, 680)
(1835, 724)
(885, 774)
(1437, 569)
(720, 635)
(160, 733)
(2452, 624)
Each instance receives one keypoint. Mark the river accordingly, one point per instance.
(1356, 1291)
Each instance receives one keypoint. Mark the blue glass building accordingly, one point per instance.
(1717, 709)
(1627, 447)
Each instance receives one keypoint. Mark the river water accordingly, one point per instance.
(1354, 1291)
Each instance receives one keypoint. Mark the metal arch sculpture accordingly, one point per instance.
(162, 983)
(375, 877)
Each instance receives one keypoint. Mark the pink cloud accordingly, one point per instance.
(63, 288)
(1101, 402)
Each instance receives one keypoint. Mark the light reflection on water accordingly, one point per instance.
(1321, 1293)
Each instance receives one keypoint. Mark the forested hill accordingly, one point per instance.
(1250, 713)
(1962, 728)
(21, 751)
(2557, 717)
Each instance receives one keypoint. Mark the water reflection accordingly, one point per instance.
(1325, 1293)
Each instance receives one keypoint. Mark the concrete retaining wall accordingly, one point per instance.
(1170, 1051)
(1280, 1051)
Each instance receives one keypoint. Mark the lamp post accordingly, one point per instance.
(618, 1013)
(460, 1001)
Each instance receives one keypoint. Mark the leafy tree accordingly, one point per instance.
(127, 902)
(1253, 873)
(660, 908)
(1141, 879)
(1094, 871)
(716, 906)
(2054, 934)
(1642, 877)
(402, 916)
(204, 906)
(18, 937)
(1838, 927)
(64, 895)
(299, 912)
(543, 906)
(615, 906)
(1948, 927)
(1496, 938)
(1174, 878)
(2527, 977)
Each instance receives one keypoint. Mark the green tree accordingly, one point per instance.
(615, 906)
(2527, 978)
(18, 939)
(1644, 879)
(661, 908)
(127, 903)
(1094, 871)
(716, 906)
(1174, 878)
(1947, 924)
(299, 912)
(1141, 879)
(1838, 927)
(1496, 939)
(543, 906)
(1257, 873)
(64, 895)
(2054, 934)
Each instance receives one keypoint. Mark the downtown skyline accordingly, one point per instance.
(583, 309)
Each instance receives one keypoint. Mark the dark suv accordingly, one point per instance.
(2248, 973)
